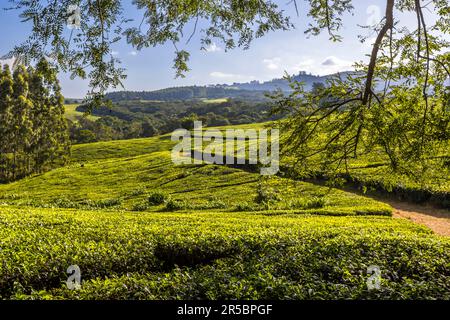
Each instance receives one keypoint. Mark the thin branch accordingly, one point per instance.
(195, 28)
(327, 11)
(427, 49)
(389, 24)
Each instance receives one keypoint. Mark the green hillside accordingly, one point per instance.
(141, 228)
(372, 173)
(122, 174)
(72, 114)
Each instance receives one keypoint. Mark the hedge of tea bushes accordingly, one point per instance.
(217, 256)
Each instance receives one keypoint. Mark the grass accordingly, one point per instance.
(141, 228)
(213, 101)
(73, 115)
(100, 151)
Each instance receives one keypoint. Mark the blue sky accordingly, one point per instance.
(268, 57)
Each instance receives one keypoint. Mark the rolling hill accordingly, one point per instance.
(139, 227)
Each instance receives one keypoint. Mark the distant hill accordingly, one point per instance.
(187, 93)
(276, 84)
(254, 90)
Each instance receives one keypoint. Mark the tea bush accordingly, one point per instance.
(157, 198)
(175, 205)
(217, 256)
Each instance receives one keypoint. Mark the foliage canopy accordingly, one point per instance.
(397, 104)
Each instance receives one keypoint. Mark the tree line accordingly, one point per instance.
(187, 93)
(32, 124)
(130, 119)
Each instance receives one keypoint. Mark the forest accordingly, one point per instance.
(32, 123)
(128, 119)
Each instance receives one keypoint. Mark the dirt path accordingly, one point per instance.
(436, 219)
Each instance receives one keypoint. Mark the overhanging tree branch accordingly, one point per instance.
(388, 25)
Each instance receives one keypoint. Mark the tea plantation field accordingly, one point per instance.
(141, 228)
(372, 173)
(121, 175)
(212, 255)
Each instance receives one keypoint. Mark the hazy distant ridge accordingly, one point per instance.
(253, 90)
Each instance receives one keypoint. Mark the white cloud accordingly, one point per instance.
(293, 63)
(333, 64)
(231, 77)
(133, 53)
(327, 66)
(213, 48)
(115, 53)
(273, 63)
